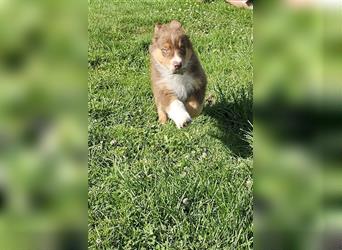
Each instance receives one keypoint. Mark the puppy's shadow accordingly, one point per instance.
(234, 118)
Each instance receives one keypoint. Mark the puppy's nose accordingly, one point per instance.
(177, 65)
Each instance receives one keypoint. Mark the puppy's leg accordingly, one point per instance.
(160, 98)
(193, 106)
(169, 106)
(177, 112)
(161, 115)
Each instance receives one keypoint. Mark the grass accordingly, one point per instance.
(153, 186)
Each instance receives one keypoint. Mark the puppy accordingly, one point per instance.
(178, 79)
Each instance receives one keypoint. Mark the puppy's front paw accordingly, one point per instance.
(182, 120)
(177, 112)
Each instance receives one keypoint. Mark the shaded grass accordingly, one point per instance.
(153, 186)
(234, 114)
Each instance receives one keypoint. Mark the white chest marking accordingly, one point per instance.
(181, 85)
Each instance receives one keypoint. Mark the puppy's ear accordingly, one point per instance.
(175, 24)
(157, 27)
(186, 41)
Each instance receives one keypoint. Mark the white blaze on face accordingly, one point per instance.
(176, 60)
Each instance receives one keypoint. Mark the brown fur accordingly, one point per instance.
(170, 40)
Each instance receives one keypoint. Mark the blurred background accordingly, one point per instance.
(298, 125)
(297, 128)
(43, 131)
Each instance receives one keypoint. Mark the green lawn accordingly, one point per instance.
(154, 186)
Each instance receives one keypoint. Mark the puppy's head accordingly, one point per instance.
(171, 47)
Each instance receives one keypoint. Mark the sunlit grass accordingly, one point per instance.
(153, 186)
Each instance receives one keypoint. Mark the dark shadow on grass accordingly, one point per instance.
(234, 116)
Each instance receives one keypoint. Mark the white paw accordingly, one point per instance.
(177, 112)
(182, 120)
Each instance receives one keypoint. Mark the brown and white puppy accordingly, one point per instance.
(178, 79)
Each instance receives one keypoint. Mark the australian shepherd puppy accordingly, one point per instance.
(178, 79)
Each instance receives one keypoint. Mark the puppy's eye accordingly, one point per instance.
(165, 51)
(182, 50)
